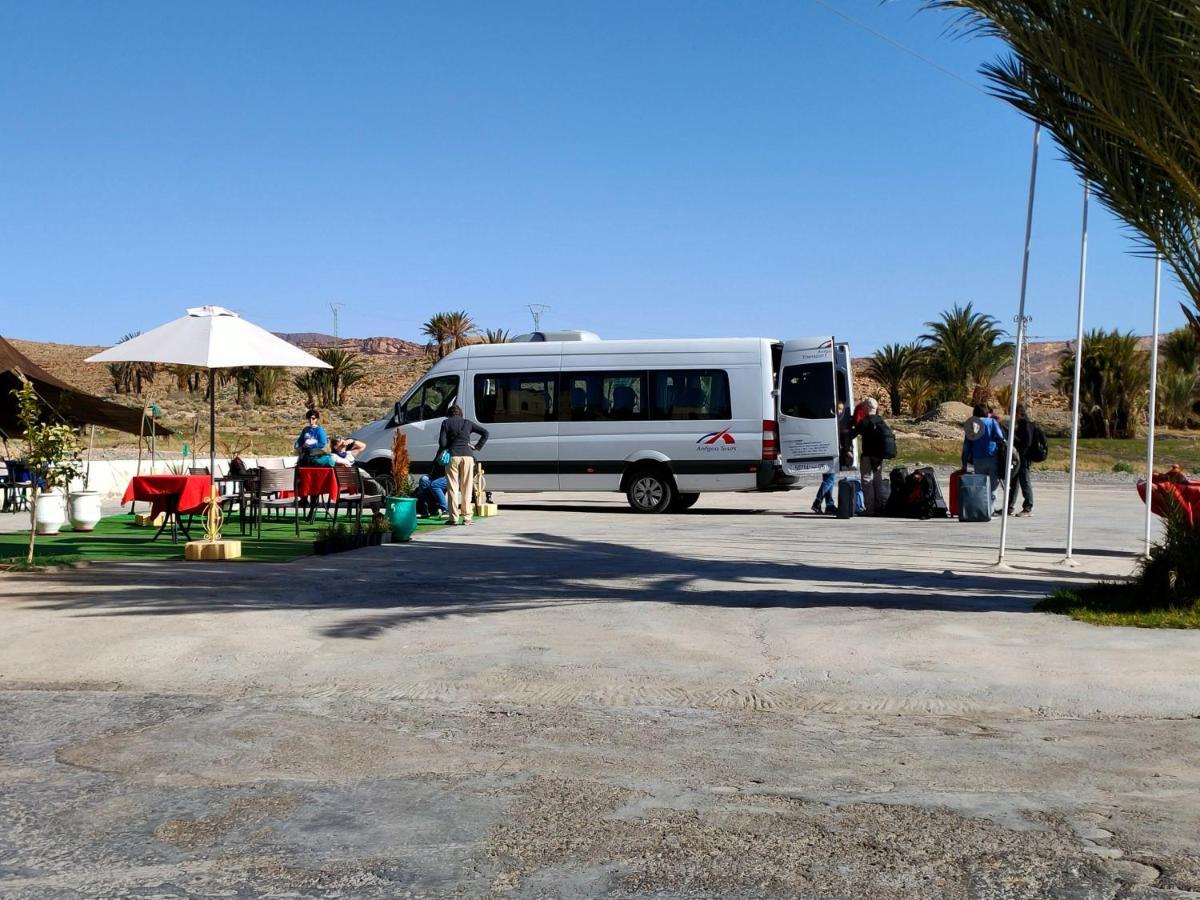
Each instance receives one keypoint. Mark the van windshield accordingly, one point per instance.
(808, 392)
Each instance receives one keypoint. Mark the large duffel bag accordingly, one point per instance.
(938, 510)
(974, 498)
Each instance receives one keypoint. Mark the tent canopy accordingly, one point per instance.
(73, 405)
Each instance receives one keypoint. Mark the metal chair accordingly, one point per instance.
(237, 492)
(271, 483)
(352, 493)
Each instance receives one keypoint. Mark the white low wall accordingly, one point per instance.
(110, 476)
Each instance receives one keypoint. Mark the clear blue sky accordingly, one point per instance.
(646, 169)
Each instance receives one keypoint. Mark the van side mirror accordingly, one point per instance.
(397, 416)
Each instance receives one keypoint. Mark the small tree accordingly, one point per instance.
(52, 453)
(401, 464)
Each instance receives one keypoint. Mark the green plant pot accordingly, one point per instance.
(401, 516)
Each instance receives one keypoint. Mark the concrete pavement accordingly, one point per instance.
(572, 700)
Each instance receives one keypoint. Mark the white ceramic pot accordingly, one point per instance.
(50, 513)
(83, 509)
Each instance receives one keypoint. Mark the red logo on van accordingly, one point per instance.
(714, 436)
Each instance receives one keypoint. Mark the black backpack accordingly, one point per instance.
(887, 438)
(1037, 451)
(920, 496)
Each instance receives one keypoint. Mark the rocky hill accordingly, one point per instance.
(377, 345)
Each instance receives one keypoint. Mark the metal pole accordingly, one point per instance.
(1078, 370)
(212, 423)
(1153, 394)
(87, 474)
(1016, 386)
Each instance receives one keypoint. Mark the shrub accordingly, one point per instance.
(401, 464)
(1120, 466)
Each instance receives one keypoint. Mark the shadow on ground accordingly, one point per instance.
(396, 586)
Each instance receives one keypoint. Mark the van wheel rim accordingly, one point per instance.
(648, 492)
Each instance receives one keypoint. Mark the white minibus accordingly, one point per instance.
(660, 420)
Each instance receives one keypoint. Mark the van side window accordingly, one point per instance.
(603, 396)
(511, 397)
(432, 400)
(808, 392)
(691, 394)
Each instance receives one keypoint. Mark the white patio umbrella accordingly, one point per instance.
(210, 337)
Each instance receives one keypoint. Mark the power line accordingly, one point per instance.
(899, 46)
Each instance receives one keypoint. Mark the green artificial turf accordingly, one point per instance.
(118, 538)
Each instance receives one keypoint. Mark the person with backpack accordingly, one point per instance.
(984, 447)
(878, 444)
(1029, 443)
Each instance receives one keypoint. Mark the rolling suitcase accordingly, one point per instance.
(954, 479)
(847, 489)
(871, 505)
(974, 499)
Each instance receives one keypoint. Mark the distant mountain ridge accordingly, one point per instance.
(380, 345)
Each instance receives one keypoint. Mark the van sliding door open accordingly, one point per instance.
(808, 427)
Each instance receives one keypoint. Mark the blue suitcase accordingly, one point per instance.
(974, 498)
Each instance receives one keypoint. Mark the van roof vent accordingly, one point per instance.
(538, 336)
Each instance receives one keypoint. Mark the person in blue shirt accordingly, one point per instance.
(984, 447)
(310, 445)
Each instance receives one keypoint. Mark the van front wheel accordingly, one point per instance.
(650, 491)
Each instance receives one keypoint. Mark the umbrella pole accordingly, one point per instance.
(212, 423)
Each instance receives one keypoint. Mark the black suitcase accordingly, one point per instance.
(847, 488)
(895, 501)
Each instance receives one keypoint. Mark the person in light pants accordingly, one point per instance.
(455, 436)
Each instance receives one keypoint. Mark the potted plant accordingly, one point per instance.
(321, 546)
(53, 452)
(401, 505)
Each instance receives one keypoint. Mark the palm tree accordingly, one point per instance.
(460, 327)
(436, 330)
(1112, 383)
(1181, 350)
(345, 369)
(1115, 84)
(496, 336)
(266, 382)
(919, 392)
(1176, 394)
(317, 387)
(963, 352)
(890, 366)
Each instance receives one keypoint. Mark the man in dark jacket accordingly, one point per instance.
(1022, 435)
(872, 429)
(455, 436)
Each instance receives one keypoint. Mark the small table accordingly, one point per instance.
(316, 481)
(170, 494)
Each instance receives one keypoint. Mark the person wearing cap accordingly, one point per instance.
(983, 447)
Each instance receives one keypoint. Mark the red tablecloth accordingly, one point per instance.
(1186, 492)
(191, 490)
(315, 481)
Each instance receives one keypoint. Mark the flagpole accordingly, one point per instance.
(1016, 385)
(1078, 371)
(1153, 394)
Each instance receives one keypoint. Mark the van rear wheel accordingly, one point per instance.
(650, 491)
(684, 502)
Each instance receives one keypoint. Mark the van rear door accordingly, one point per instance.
(808, 427)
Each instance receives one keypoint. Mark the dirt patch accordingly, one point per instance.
(207, 831)
(773, 846)
(238, 747)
